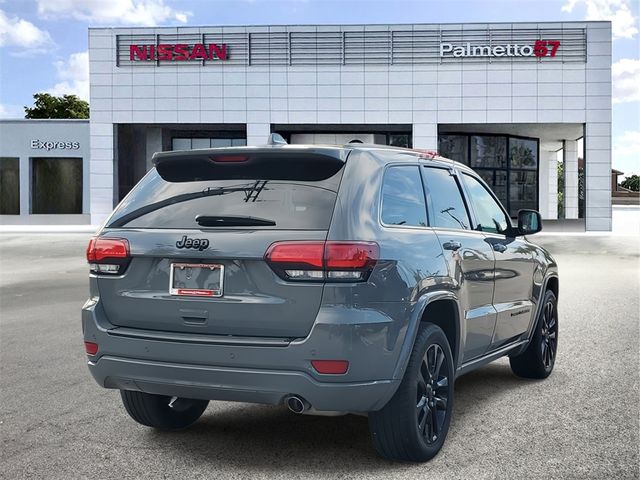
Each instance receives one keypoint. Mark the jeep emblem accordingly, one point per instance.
(196, 243)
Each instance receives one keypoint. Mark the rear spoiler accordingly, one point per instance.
(278, 162)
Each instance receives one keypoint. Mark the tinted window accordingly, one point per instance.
(399, 140)
(56, 185)
(9, 186)
(523, 191)
(455, 147)
(488, 151)
(497, 181)
(297, 205)
(523, 153)
(489, 215)
(403, 198)
(446, 207)
(187, 143)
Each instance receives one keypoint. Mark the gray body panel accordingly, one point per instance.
(256, 342)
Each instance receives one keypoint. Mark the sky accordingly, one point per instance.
(43, 43)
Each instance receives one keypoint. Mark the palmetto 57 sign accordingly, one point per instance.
(540, 48)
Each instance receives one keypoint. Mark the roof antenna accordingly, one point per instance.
(276, 139)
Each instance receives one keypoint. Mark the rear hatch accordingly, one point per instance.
(198, 226)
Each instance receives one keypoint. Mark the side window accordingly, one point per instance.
(446, 207)
(489, 215)
(403, 198)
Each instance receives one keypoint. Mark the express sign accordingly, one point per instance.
(541, 48)
(178, 52)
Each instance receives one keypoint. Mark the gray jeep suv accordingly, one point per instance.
(334, 279)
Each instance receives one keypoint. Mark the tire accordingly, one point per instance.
(538, 359)
(404, 428)
(159, 411)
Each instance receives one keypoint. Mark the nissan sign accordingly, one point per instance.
(541, 48)
(176, 52)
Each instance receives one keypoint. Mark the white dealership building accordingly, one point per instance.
(509, 99)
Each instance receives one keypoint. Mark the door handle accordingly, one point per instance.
(452, 245)
(500, 247)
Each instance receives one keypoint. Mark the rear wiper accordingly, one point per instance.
(233, 221)
(183, 197)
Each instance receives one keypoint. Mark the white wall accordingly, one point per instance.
(421, 95)
(15, 141)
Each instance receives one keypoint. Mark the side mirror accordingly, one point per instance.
(529, 222)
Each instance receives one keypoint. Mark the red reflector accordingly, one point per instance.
(330, 367)
(305, 253)
(91, 348)
(426, 153)
(230, 158)
(101, 248)
(349, 255)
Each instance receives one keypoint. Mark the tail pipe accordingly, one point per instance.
(296, 404)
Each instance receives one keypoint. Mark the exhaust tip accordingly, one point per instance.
(296, 404)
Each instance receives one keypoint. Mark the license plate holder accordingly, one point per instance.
(196, 279)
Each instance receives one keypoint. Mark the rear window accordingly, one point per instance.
(263, 204)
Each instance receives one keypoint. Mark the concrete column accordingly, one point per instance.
(425, 135)
(258, 133)
(548, 187)
(101, 162)
(543, 185)
(570, 179)
(552, 186)
(597, 154)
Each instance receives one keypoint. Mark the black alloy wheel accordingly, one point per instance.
(432, 392)
(549, 337)
(539, 358)
(413, 425)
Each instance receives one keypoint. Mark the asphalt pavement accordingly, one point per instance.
(582, 422)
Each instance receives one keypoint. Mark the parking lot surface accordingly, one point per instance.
(582, 422)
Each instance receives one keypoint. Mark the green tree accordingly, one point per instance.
(632, 183)
(560, 189)
(46, 105)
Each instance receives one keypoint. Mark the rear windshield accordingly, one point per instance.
(261, 204)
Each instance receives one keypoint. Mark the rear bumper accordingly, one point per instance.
(255, 372)
(236, 384)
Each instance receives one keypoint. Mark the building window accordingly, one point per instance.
(56, 185)
(523, 153)
(523, 177)
(523, 188)
(399, 140)
(488, 152)
(184, 143)
(9, 186)
(509, 165)
(455, 147)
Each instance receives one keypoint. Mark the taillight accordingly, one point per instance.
(108, 256)
(314, 261)
(229, 158)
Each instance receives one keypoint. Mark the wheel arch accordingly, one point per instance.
(552, 284)
(442, 309)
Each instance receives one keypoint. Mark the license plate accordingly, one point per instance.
(196, 279)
